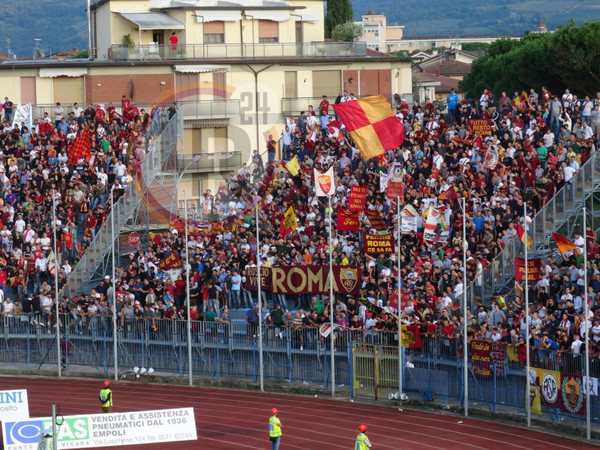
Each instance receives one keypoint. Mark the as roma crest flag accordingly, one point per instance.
(347, 220)
(371, 124)
(324, 183)
(289, 222)
(357, 198)
(411, 336)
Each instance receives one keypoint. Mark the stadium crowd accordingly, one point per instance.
(537, 143)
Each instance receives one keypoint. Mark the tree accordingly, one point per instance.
(569, 57)
(338, 12)
(348, 32)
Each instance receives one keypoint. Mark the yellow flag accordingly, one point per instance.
(512, 353)
(535, 400)
(293, 166)
(289, 222)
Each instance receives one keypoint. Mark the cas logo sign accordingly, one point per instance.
(14, 405)
(30, 431)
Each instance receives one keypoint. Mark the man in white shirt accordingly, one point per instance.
(576, 345)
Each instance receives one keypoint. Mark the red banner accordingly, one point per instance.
(347, 220)
(572, 394)
(533, 269)
(173, 261)
(479, 126)
(379, 244)
(481, 360)
(411, 336)
(357, 198)
(498, 357)
(310, 279)
(395, 189)
(375, 220)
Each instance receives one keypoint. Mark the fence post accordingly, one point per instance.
(352, 374)
(217, 373)
(495, 387)
(290, 365)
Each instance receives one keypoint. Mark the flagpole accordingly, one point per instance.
(187, 292)
(114, 281)
(465, 343)
(527, 363)
(331, 301)
(400, 359)
(58, 352)
(259, 282)
(587, 331)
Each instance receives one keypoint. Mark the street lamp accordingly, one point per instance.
(203, 41)
(252, 24)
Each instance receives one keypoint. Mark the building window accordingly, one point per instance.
(214, 32)
(268, 31)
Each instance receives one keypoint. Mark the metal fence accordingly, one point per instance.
(366, 365)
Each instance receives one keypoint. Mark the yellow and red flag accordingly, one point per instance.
(371, 124)
(81, 147)
(289, 222)
(563, 243)
(521, 234)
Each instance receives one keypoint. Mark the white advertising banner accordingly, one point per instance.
(104, 430)
(14, 405)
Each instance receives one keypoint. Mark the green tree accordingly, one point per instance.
(348, 32)
(338, 13)
(475, 46)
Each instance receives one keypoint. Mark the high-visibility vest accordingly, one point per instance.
(360, 442)
(274, 428)
(106, 397)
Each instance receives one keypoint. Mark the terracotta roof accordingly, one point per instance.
(448, 68)
(446, 83)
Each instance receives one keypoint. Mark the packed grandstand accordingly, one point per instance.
(525, 149)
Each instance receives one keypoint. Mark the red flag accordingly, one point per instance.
(357, 198)
(448, 194)
(375, 220)
(563, 243)
(173, 261)
(521, 234)
(81, 147)
(347, 220)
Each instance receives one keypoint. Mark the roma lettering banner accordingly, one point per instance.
(533, 269)
(481, 360)
(357, 198)
(549, 384)
(411, 336)
(347, 220)
(479, 126)
(379, 244)
(173, 261)
(252, 278)
(375, 220)
(314, 279)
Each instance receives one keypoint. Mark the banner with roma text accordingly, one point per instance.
(173, 261)
(309, 279)
(533, 269)
(479, 126)
(347, 220)
(481, 360)
(357, 198)
(379, 244)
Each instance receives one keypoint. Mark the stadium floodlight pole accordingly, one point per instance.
(400, 359)
(587, 330)
(465, 312)
(259, 290)
(527, 363)
(58, 352)
(331, 310)
(114, 281)
(187, 292)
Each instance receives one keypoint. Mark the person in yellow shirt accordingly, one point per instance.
(106, 398)
(362, 441)
(275, 429)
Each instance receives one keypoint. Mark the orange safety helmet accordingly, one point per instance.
(274, 411)
(106, 383)
(362, 428)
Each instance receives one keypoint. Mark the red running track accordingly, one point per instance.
(238, 420)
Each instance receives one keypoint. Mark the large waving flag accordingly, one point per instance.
(335, 129)
(81, 147)
(372, 125)
(521, 234)
(563, 243)
(293, 166)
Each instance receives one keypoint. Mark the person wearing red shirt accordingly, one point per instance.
(324, 106)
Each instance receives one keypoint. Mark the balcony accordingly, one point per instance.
(210, 109)
(292, 106)
(211, 162)
(292, 50)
